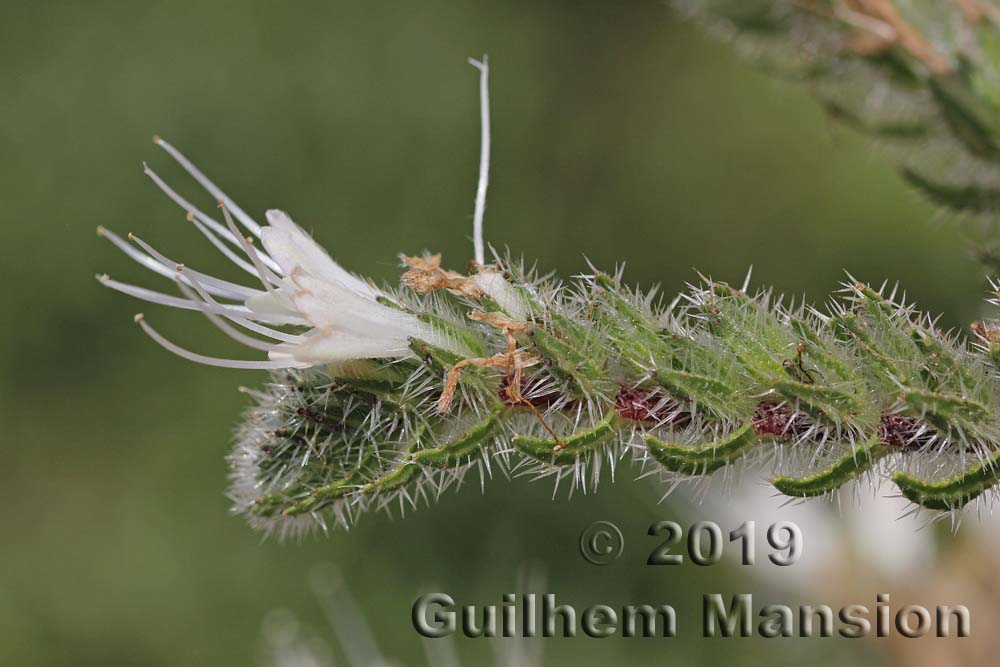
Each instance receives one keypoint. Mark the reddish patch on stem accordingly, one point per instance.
(775, 419)
(897, 430)
(649, 405)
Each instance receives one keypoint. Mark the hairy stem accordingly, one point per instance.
(719, 380)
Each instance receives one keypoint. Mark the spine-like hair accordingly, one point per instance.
(386, 397)
(568, 380)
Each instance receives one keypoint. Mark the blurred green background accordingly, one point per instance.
(621, 134)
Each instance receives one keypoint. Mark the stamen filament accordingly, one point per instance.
(212, 188)
(262, 271)
(212, 361)
(220, 323)
(222, 247)
(211, 222)
(220, 287)
(243, 322)
(162, 299)
(143, 259)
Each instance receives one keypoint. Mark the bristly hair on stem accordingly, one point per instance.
(384, 397)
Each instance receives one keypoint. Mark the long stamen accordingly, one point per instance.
(263, 330)
(212, 361)
(162, 299)
(220, 323)
(212, 188)
(242, 321)
(207, 220)
(219, 228)
(484, 157)
(156, 297)
(218, 286)
(222, 247)
(266, 277)
(141, 258)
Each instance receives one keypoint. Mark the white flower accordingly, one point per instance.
(300, 286)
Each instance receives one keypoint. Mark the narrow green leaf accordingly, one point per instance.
(581, 442)
(703, 459)
(851, 465)
(954, 492)
(459, 449)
